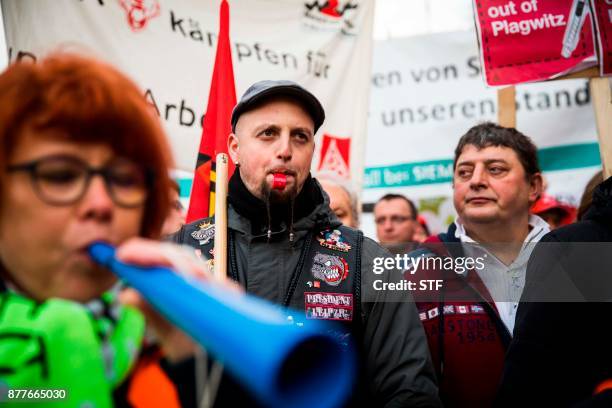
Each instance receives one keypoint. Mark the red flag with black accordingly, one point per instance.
(217, 126)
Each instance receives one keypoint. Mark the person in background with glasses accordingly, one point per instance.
(82, 159)
(396, 221)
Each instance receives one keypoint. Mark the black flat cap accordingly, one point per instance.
(262, 90)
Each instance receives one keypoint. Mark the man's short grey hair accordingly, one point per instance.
(333, 179)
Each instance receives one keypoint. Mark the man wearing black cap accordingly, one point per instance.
(287, 246)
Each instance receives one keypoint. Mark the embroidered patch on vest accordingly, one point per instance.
(204, 233)
(210, 264)
(329, 313)
(477, 309)
(452, 310)
(313, 284)
(333, 239)
(329, 268)
(449, 309)
(328, 306)
(328, 299)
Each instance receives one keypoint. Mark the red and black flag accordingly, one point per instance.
(217, 126)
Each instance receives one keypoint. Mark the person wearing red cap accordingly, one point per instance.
(421, 232)
(553, 211)
(287, 246)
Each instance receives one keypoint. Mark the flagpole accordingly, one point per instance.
(220, 248)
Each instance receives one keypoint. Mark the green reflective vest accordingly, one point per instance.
(86, 350)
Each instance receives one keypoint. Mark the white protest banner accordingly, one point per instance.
(3, 51)
(168, 47)
(427, 91)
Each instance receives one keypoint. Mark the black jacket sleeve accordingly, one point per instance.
(561, 345)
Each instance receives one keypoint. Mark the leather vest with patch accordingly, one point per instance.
(329, 284)
(326, 283)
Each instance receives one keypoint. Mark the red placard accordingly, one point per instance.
(533, 40)
(602, 11)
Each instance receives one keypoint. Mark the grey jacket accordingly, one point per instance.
(395, 354)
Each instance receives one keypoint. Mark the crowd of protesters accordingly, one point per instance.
(85, 159)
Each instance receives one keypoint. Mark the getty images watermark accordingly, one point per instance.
(419, 264)
(461, 272)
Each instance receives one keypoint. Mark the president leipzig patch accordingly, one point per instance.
(328, 306)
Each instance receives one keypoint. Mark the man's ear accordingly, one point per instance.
(233, 148)
(535, 187)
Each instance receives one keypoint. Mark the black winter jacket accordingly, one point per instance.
(561, 348)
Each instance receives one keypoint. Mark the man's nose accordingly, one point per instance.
(479, 177)
(283, 151)
(96, 202)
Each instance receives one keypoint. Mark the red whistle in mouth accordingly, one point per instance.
(279, 182)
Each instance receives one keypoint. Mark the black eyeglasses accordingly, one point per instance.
(64, 180)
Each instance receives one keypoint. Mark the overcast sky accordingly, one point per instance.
(400, 18)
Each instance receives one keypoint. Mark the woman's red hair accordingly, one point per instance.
(89, 102)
